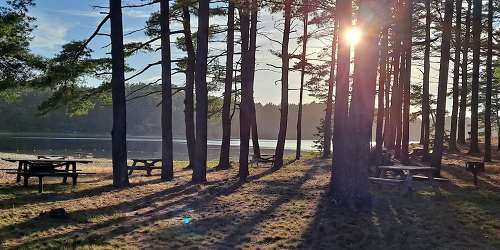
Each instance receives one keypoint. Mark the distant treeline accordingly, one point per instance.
(22, 116)
(143, 118)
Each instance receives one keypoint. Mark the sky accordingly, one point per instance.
(59, 22)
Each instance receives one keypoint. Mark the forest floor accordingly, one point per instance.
(284, 209)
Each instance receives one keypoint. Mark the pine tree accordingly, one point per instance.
(442, 87)
(119, 133)
(476, 47)
(167, 171)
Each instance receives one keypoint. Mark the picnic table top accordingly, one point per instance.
(146, 159)
(408, 168)
(48, 160)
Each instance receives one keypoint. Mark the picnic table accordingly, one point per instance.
(147, 164)
(47, 167)
(405, 175)
(262, 158)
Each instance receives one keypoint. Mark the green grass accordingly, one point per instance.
(284, 209)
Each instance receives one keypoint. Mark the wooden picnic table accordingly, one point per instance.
(147, 164)
(46, 167)
(408, 174)
(264, 158)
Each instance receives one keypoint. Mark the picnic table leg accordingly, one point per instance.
(26, 177)
(40, 184)
(75, 175)
(19, 170)
(131, 170)
(408, 184)
(65, 178)
(434, 184)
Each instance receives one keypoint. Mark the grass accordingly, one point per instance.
(285, 209)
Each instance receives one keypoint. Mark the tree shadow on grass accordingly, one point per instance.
(138, 213)
(56, 192)
(395, 222)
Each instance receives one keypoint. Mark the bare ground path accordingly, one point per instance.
(283, 209)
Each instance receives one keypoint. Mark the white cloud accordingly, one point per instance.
(50, 34)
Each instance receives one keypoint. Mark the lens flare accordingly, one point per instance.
(353, 36)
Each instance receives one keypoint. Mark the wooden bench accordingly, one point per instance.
(27, 174)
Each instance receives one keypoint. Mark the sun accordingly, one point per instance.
(353, 36)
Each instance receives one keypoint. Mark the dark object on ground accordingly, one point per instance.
(58, 213)
(475, 167)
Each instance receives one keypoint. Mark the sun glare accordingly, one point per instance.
(353, 36)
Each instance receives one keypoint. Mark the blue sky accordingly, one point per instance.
(61, 21)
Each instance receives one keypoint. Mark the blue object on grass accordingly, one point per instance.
(186, 219)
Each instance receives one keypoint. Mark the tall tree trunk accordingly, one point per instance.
(189, 89)
(341, 175)
(253, 49)
(395, 114)
(464, 89)
(280, 147)
(246, 96)
(353, 174)
(305, 36)
(327, 129)
(255, 133)
(456, 76)
(200, 166)
(381, 90)
(489, 85)
(387, 113)
(442, 87)
(226, 107)
(119, 133)
(167, 170)
(426, 108)
(406, 80)
(476, 49)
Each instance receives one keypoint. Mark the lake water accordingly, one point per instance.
(137, 146)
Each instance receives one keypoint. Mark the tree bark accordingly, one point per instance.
(489, 85)
(464, 91)
(381, 90)
(119, 132)
(200, 166)
(252, 51)
(246, 97)
(406, 80)
(305, 36)
(442, 87)
(426, 108)
(167, 170)
(395, 114)
(476, 50)
(341, 175)
(327, 129)
(226, 107)
(456, 76)
(189, 89)
(351, 177)
(280, 147)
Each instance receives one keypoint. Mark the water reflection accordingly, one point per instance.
(138, 146)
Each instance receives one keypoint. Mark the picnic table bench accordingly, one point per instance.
(46, 167)
(405, 176)
(147, 164)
